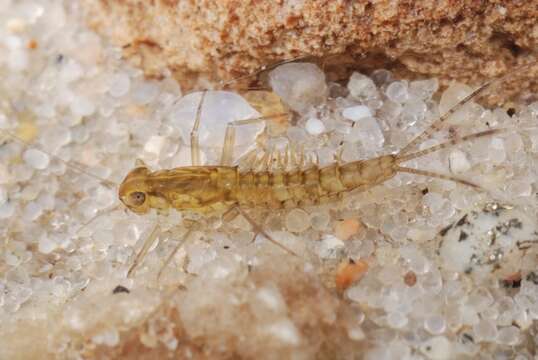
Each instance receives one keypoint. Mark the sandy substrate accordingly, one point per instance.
(415, 268)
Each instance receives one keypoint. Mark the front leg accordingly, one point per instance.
(195, 142)
(180, 244)
(148, 243)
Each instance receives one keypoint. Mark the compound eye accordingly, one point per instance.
(137, 198)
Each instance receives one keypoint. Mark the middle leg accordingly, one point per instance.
(229, 137)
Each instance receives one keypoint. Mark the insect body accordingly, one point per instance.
(205, 188)
(281, 181)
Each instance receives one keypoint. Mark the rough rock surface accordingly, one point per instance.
(466, 40)
(319, 325)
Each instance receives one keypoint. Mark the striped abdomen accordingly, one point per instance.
(278, 189)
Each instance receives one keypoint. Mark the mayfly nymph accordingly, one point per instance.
(279, 180)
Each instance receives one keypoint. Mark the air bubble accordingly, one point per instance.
(119, 85)
(398, 92)
(46, 245)
(356, 113)
(314, 126)
(36, 159)
(397, 320)
(297, 220)
(361, 86)
(458, 162)
(82, 106)
(435, 324)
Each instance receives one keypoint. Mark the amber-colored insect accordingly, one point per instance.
(280, 180)
(225, 188)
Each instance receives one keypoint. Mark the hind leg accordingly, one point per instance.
(258, 229)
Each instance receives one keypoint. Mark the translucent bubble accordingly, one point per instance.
(46, 245)
(381, 76)
(300, 85)
(155, 144)
(218, 110)
(145, 93)
(435, 324)
(314, 126)
(32, 211)
(82, 106)
(18, 59)
(356, 113)
(480, 299)
(414, 111)
(485, 330)
(458, 162)
(398, 91)
(36, 159)
(57, 137)
(71, 71)
(510, 335)
(7, 210)
(424, 89)
(368, 132)
(397, 320)
(320, 220)
(119, 85)
(297, 220)
(361, 86)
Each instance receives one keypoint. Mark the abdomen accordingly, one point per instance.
(280, 189)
